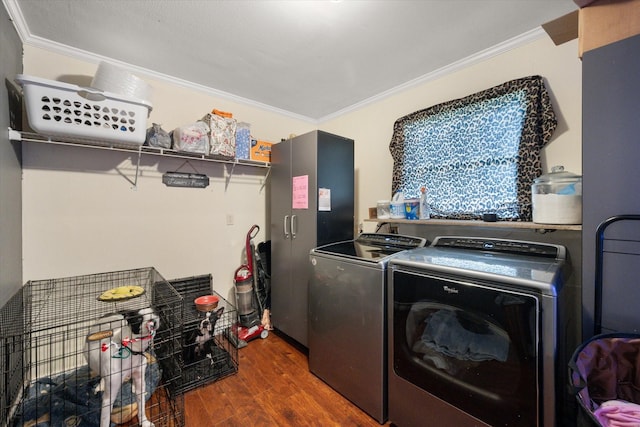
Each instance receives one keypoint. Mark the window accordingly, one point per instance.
(478, 154)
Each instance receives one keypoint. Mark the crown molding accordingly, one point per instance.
(476, 58)
(140, 71)
(17, 18)
(31, 40)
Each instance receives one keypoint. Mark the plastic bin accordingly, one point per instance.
(62, 109)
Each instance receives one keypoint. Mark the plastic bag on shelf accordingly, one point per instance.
(222, 134)
(158, 137)
(193, 138)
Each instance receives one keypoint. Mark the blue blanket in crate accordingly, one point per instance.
(69, 399)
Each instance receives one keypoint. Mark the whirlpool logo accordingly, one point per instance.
(450, 290)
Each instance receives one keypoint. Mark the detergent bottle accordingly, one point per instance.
(424, 204)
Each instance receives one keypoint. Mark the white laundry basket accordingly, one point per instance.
(61, 109)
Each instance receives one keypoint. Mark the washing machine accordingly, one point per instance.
(347, 316)
(474, 330)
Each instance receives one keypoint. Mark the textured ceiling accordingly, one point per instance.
(309, 58)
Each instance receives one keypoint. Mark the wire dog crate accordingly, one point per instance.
(208, 354)
(44, 335)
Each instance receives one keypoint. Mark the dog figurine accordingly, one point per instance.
(198, 343)
(115, 349)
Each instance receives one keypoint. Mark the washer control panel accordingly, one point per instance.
(391, 240)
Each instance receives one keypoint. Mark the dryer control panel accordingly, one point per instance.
(517, 247)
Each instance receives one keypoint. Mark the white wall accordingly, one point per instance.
(372, 126)
(81, 215)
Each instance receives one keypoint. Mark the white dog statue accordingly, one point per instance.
(115, 349)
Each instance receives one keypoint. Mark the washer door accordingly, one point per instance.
(469, 343)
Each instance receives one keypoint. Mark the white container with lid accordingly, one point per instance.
(557, 198)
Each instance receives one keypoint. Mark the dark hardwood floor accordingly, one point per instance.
(273, 387)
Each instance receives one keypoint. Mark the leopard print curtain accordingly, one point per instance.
(478, 154)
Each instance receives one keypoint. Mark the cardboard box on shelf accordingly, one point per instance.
(261, 150)
(602, 22)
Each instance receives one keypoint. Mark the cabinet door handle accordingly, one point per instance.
(284, 226)
(294, 226)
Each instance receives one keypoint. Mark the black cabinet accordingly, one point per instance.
(610, 155)
(312, 204)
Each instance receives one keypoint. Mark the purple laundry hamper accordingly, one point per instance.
(607, 365)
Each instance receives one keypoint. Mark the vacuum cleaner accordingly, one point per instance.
(250, 296)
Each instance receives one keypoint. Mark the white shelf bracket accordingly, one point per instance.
(229, 175)
(264, 181)
(135, 181)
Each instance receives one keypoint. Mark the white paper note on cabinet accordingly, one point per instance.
(324, 199)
